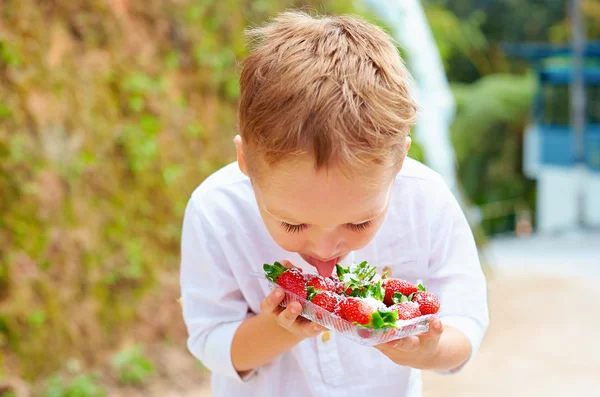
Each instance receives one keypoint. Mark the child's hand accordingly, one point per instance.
(416, 351)
(288, 317)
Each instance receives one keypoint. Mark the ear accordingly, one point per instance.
(241, 157)
(407, 144)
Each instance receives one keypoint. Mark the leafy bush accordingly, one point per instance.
(83, 385)
(111, 113)
(131, 366)
(487, 135)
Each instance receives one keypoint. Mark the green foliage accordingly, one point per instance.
(109, 118)
(83, 385)
(487, 136)
(132, 367)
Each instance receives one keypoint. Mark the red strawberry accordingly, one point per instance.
(289, 279)
(326, 299)
(337, 310)
(357, 310)
(393, 285)
(406, 310)
(427, 301)
(339, 288)
(320, 283)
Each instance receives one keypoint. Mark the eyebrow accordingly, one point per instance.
(290, 220)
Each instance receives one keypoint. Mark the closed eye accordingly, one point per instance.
(359, 227)
(293, 228)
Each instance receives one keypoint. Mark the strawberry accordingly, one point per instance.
(339, 288)
(319, 283)
(359, 311)
(337, 310)
(393, 285)
(338, 285)
(427, 301)
(289, 279)
(325, 299)
(406, 310)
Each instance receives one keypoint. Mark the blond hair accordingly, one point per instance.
(333, 87)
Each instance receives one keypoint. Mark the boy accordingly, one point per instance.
(322, 178)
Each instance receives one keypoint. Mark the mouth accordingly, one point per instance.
(324, 267)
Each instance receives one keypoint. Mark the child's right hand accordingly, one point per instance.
(288, 317)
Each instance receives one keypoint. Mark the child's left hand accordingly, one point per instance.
(416, 351)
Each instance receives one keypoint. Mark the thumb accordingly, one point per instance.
(289, 265)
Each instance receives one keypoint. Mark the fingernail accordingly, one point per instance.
(294, 309)
(277, 295)
(317, 328)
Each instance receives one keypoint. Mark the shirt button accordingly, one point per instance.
(387, 271)
(325, 337)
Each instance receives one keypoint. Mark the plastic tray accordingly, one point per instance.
(361, 335)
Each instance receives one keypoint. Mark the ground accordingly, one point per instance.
(541, 342)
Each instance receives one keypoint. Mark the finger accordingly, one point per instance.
(289, 265)
(308, 328)
(272, 301)
(287, 317)
(435, 331)
(408, 344)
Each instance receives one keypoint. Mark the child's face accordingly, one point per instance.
(322, 215)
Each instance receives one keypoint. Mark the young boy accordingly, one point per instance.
(322, 178)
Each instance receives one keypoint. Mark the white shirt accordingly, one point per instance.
(425, 237)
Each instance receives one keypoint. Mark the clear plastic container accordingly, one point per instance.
(361, 335)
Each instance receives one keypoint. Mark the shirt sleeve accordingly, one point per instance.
(213, 305)
(456, 276)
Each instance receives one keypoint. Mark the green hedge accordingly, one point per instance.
(111, 113)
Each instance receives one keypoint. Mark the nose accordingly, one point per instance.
(326, 244)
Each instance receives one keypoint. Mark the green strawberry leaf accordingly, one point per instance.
(389, 317)
(375, 291)
(410, 297)
(380, 291)
(384, 318)
(340, 270)
(376, 320)
(312, 292)
(397, 297)
(272, 272)
(421, 288)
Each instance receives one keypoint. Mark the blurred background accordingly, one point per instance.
(112, 112)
